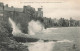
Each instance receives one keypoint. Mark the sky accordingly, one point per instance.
(51, 8)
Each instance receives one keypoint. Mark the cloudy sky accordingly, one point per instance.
(51, 8)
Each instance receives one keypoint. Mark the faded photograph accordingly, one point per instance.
(39, 25)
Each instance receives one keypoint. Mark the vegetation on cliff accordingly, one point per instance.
(7, 42)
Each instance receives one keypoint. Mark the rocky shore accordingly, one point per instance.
(7, 42)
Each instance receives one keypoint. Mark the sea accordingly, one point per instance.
(68, 40)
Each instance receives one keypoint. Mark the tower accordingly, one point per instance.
(40, 12)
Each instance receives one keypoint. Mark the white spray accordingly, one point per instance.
(42, 46)
(16, 30)
(35, 27)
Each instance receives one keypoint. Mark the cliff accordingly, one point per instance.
(7, 42)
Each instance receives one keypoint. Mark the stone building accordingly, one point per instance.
(20, 16)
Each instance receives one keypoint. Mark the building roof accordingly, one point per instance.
(8, 9)
(19, 9)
